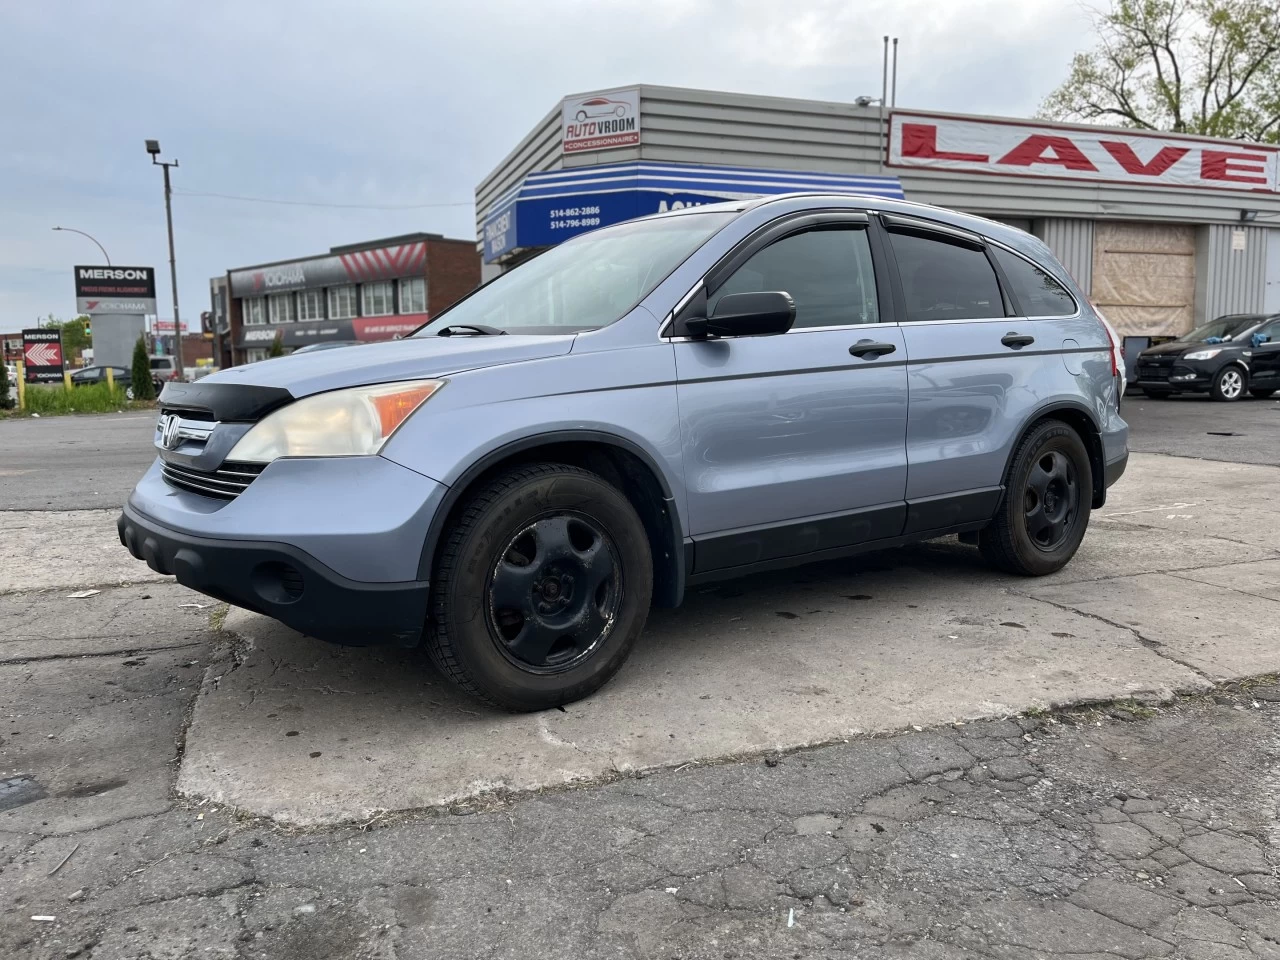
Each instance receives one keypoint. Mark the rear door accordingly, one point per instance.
(794, 444)
(979, 365)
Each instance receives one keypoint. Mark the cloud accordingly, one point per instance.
(404, 103)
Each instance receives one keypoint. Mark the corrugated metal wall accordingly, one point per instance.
(539, 150)
(1071, 242)
(1232, 280)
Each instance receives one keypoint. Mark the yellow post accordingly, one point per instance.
(111, 381)
(66, 379)
(22, 386)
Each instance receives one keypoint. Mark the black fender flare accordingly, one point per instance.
(488, 461)
(1092, 443)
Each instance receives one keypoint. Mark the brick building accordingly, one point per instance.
(359, 292)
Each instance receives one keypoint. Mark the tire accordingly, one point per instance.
(1040, 522)
(1229, 384)
(1262, 394)
(1157, 394)
(526, 540)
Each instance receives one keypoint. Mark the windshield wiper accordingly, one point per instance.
(477, 329)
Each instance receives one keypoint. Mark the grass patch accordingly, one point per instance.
(54, 399)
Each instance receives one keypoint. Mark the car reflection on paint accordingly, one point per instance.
(328, 345)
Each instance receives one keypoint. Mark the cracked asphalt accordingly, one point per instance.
(918, 759)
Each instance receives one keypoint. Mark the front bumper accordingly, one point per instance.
(1188, 376)
(281, 581)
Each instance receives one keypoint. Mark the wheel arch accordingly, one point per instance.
(621, 462)
(1081, 419)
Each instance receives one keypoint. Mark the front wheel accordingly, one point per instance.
(1045, 509)
(1230, 384)
(541, 588)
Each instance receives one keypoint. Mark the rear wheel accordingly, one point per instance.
(1045, 510)
(1230, 384)
(541, 588)
(1262, 394)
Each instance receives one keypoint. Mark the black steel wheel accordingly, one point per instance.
(540, 588)
(554, 593)
(1045, 510)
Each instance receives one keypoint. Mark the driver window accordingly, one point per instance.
(945, 281)
(828, 273)
(1272, 332)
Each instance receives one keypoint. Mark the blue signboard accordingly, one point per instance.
(548, 208)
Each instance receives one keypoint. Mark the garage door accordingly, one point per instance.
(1144, 277)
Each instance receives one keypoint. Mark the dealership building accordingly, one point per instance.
(1163, 231)
(361, 292)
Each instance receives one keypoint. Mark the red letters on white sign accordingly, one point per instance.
(1059, 152)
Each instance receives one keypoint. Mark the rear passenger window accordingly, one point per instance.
(827, 272)
(1037, 293)
(945, 281)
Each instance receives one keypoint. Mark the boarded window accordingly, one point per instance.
(1144, 277)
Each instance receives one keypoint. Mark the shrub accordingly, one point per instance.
(143, 388)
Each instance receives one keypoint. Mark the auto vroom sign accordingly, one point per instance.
(116, 290)
(600, 121)
(1013, 148)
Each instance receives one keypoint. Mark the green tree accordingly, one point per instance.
(1209, 67)
(277, 347)
(143, 388)
(5, 402)
(75, 336)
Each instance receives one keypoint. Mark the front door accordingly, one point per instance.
(794, 444)
(1264, 365)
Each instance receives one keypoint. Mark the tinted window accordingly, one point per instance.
(943, 281)
(827, 272)
(1037, 293)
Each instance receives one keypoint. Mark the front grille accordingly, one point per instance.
(1154, 373)
(225, 483)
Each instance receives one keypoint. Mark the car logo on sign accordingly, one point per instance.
(169, 426)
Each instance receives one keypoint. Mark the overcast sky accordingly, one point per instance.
(404, 103)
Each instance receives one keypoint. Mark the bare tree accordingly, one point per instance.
(1209, 67)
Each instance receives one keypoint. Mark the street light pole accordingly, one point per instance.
(83, 234)
(153, 148)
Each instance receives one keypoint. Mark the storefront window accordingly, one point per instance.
(376, 299)
(255, 354)
(342, 302)
(413, 295)
(255, 312)
(311, 305)
(281, 307)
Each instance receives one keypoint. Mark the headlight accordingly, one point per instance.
(1202, 354)
(343, 423)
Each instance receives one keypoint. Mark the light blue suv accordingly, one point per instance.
(674, 400)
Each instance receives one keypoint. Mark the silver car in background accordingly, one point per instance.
(683, 398)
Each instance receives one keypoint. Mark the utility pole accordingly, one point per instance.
(153, 148)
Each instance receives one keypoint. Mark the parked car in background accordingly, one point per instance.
(683, 398)
(1225, 358)
(163, 370)
(87, 376)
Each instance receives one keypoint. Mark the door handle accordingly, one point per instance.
(1016, 341)
(868, 349)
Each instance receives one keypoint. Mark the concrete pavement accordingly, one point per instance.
(176, 781)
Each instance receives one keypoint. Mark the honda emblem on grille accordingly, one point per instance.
(169, 426)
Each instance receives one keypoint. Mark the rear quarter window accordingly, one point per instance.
(1037, 293)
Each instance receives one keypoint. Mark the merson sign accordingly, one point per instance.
(1072, 153)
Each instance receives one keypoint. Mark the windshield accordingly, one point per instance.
(584, 284)
(161, 363)
(1224, 328)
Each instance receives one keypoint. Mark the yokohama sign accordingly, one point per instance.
(1073, 153)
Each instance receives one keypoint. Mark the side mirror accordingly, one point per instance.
(746, 315)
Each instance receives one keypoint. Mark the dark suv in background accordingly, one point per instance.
(1224, 357)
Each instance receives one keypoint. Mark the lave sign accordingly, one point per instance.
(1059, 152)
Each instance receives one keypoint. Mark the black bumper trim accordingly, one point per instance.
(1115, 470)
(282, 582)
